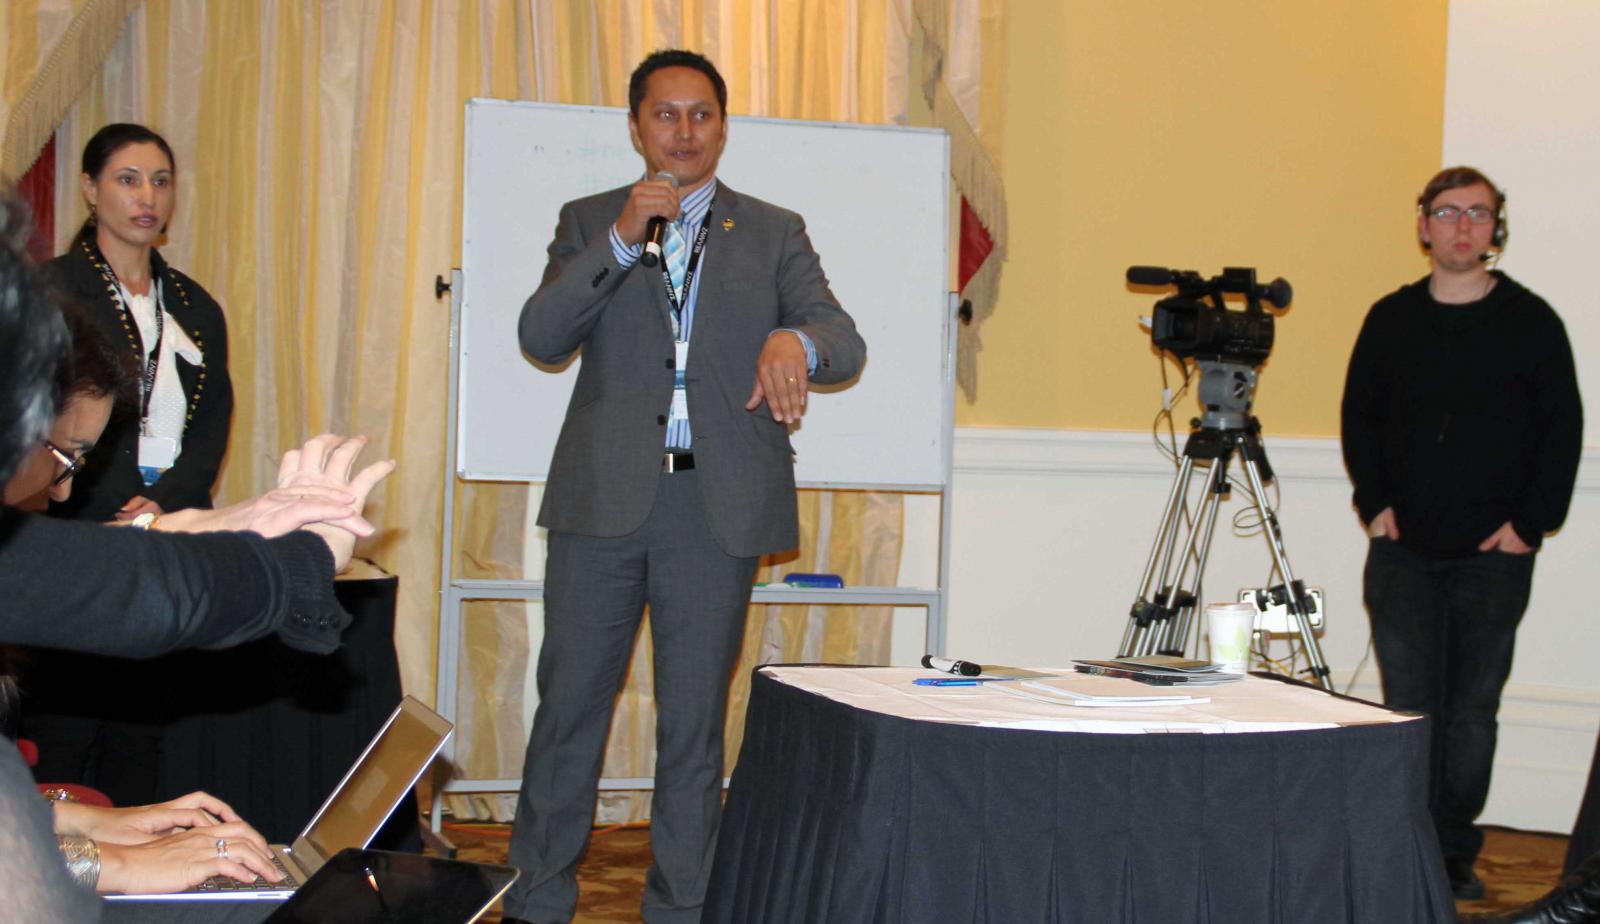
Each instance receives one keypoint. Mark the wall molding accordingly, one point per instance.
(1037, 451)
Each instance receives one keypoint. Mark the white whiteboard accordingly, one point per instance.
(875, 201)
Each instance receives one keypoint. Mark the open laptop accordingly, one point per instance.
(378, 887)
(355, 810)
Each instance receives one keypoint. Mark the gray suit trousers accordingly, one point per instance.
(596, 589)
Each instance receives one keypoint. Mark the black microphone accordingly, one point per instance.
(1151, 276)
(656, 229)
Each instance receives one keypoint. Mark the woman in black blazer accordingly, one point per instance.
(165, 457)
(100, 721)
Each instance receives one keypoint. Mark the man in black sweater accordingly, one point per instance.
(1462, 429)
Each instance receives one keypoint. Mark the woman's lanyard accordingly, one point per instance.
(147, 381)
(689, 271)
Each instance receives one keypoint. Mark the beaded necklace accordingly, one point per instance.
(130, 326)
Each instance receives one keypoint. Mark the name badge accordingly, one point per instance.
(680, 397)
(156, 455)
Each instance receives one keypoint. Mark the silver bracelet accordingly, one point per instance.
(83, 859)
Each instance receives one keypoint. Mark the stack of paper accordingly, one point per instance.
(1159, 670)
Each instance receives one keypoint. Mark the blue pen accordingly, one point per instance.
(945, 682)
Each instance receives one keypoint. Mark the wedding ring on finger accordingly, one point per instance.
(222, 848)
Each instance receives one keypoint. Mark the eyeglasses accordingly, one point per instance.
(72, 463)
(1449, 214)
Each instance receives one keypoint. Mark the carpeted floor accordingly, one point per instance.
(1516, 866)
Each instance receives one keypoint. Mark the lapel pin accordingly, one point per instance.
(727, 224)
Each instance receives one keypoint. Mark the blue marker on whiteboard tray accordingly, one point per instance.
(814, 580)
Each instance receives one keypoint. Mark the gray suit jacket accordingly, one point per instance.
(760, 274)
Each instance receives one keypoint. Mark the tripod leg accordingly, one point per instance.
(1297, 597)
(1186, 599)
(1149, 606)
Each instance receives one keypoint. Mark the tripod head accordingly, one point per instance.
(1227, 391)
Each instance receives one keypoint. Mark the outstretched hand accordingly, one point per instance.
(781, 377)
(314, 486)
(325, 462)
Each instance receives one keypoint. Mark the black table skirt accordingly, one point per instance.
(281, 727)
(839, 815)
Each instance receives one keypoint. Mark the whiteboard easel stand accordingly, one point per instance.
(455, 592)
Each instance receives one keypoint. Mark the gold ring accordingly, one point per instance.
(793, 380)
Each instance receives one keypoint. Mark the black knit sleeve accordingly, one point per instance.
(1558, 421)
(1364, 412)
(127, 592)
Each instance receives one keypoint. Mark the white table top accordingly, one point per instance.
(1253, 704)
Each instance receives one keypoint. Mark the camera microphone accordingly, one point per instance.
(1151, 276)
(657, 228)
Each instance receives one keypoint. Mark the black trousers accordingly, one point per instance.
(596, 590)
(1444, 631)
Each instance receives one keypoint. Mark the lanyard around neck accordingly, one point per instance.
(688, 276)
(152, 363)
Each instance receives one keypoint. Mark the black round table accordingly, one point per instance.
(841, 814)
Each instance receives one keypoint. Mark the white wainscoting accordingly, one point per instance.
(1052, 528)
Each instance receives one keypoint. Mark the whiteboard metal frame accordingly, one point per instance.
(455, 592)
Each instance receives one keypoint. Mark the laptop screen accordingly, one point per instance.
(379, 779)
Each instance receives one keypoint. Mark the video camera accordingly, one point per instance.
(1185, 325)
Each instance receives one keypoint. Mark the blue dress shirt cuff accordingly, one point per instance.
(626, 256)
(811, 348)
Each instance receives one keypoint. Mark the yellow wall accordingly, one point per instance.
(1291, 137)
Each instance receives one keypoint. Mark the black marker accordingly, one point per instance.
(949, 666)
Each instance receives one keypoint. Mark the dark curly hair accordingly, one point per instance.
(33, 338)
(92, 365)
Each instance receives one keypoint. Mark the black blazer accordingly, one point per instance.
(111, 475)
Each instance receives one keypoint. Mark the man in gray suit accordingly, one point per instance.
(672, 476)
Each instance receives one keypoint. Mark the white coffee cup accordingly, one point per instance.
(1229, 626)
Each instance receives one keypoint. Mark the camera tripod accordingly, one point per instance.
(1161, 617)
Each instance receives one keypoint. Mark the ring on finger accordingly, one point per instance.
(222, 848)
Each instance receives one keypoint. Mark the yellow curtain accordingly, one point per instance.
(319, 152)
(44, 47)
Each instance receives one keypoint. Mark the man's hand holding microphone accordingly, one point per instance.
(651, 204)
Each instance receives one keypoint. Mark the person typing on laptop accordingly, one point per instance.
(160, 848)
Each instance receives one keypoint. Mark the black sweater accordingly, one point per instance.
(1463, 417)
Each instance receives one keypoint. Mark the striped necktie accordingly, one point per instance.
(676, 252)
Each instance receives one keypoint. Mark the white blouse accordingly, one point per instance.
(169, 406)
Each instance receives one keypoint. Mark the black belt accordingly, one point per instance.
(677, 462)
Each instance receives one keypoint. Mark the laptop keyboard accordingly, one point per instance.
(230, 884)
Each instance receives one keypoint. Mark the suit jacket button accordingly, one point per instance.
(661, 419)
(670, 362)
